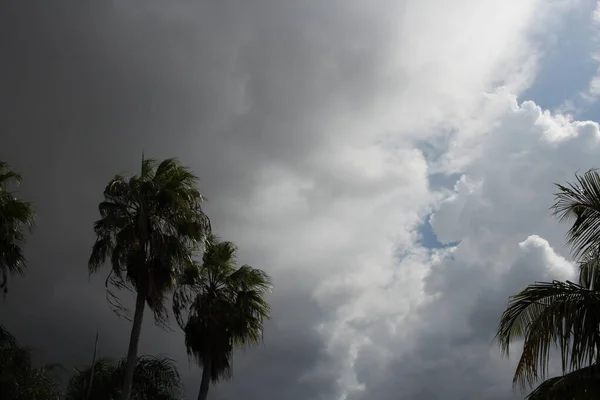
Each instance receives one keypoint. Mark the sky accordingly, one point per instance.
(389, 163)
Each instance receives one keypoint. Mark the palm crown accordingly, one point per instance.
(155, 378)
(219, 307)
(563, 315)
(150, 227)
(19, 378)
(15, 216)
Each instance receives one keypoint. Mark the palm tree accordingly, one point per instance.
(219, 307)
(150, 227)
(563, 315)
(19, 378)
(155, 377)
(15, 216)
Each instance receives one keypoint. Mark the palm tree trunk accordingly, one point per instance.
(206, 372)
(89, 388)
(134, 340)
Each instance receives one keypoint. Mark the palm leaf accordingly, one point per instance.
(580, 203)
(19, 378)
(16, 216)
(8, 176)
(561, 315)
(150, 226)
(221, 306)
(155, 377)
(582, 384)
(589, 270)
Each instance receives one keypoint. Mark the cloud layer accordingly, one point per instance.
(325, 135)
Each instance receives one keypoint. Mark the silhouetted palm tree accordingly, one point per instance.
(154, 378)
(563, 315)
(150, 226)
(227, 308)
(15, 217)
(19, 378)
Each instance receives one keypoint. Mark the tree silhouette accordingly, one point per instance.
(19, 378)
(154, 378)
(150, 227)
(221, 306)
(15, 217)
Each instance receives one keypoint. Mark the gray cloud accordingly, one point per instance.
(87, 89)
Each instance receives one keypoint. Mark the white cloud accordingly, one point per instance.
(539, 255)
(499, 213)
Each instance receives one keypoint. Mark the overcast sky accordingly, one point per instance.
(389, 163)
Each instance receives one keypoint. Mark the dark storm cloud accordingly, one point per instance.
(85, 88)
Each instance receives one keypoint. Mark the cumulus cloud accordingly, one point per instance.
(307, 123)
(449, 353)
(498, 212)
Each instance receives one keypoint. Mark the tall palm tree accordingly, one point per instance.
(563, 315)
(219, 307)
(15, 217)
(155, 378)
(19, 378)
(150, 227)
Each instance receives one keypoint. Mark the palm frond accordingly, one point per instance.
(582, 384)
(7, 340)
(150, 226)
(19, 378)
(248, 278)
(16, 216)
(589, 270)
(148, 167)
(561, 315)
(8, 176)
(106, 381)
(579, 202)
(224, 307)
(155, 377)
